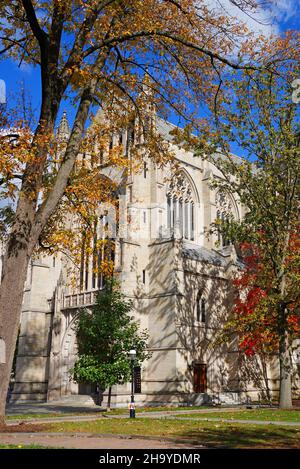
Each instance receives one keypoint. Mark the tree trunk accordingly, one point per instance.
(109, 399)
(100, 394)
(285, 364)
(25, 232)
(11, 297)
(266, 378)
(285, 361)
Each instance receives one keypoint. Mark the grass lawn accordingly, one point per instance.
(124, 411)
(253, 414)
(49, 415)
(139, 410)
(219, 434)
(233, 413)
(33, 416)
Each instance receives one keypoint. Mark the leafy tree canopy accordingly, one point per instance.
(105, 336)
(256, 112)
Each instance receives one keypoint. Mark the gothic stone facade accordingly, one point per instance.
(178, 276)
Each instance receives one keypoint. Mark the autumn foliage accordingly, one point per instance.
(97, 53)
(255, 313)
(255, 116)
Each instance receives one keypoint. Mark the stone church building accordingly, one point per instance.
(178, 274)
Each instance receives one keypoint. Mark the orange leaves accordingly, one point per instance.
(181, 47)
(15, 152)
(106, 268)
(80, 76)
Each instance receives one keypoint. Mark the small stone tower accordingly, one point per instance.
(63, 130)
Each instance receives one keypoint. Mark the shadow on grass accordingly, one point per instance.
(231, 436)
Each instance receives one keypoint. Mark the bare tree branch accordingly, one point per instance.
(39, 33)
(176, 38)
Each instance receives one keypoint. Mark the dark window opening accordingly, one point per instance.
(100, 276)
(131, 135)
(147, 124)
(86, 285)
(186, 220)
(144, 276)
(222, 225)
(201, 309)
(218, 227)
(82, 256)
(182, 214)
(169, 222)
(192, 222)
(130, 193)
(198, 311)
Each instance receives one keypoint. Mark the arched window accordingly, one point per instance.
(181, 207)
(101, 246)
(201, 309)
(218, 221)
(222, 220)
(192, 221)
(225, 208)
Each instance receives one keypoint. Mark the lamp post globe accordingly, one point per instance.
(132, 356)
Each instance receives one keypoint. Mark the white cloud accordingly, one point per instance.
(284, 10)
(267, 20)
(256, 21)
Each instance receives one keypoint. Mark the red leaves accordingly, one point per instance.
(256, 309)
(249, 304)
(294, 323)
(249, 346)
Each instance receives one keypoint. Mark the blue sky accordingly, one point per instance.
(284, 15)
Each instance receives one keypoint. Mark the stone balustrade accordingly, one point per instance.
(78, 300)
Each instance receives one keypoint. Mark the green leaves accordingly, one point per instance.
(105, 335)
(255, 114)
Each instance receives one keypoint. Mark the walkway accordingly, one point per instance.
(90, 441)
(61, 407)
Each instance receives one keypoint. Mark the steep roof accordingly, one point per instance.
(221, 258)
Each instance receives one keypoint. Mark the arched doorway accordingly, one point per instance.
(68, 359)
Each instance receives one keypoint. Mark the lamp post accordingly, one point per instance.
(132, 356)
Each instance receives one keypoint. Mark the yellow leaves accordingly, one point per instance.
(116, 157)
(15, 152)
(62, 237)
(107, 268)
(80, 77)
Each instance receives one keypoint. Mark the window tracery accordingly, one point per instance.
(181, 207)
(224, 210)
